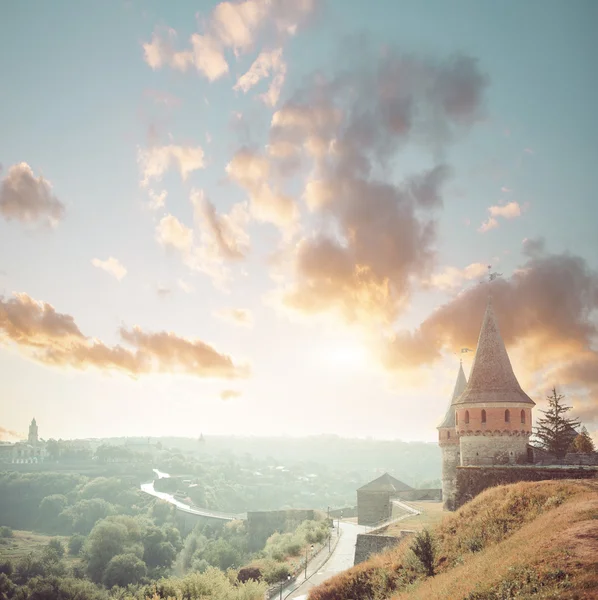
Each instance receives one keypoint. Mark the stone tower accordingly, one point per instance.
(493, 416)
(32, 439)
(449, 444)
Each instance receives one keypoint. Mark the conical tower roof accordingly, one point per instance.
(492, 378)
(460, 384)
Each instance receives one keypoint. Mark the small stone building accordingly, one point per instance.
(374, 499)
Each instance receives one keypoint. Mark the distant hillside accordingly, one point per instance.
(526, 540)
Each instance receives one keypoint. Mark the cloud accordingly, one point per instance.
(229, 394)
(170, 232)
(54, 339)
(9, 433)
(511, 210)
(231, 26)
(490, 223)
(546, 310)
(217, 239)
(236, 316)
(28, 199)
(266, 64)
(184, 286)
(251, 171)
(506, 190)
(374, 234)
(112, 266)
(451, 278)
(155, 161)
(224, 236)
(508, 211)
(157, 200)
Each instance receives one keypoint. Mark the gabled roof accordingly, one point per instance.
(385, 483)
(460, 384)
(492, 378)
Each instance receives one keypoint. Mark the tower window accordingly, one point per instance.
(523, 417)
(483, 416)
(507, 416)
(448, 435)
(456, 418)
(466, 416)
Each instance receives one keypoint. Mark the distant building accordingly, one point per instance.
(31, 451)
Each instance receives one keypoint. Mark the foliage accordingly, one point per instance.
(57, 547)
(583, 443)
(49, 510)
(6, 532)
(424, 549)
(84, 514)
(554, 431)
(76, 543)
(124, 569)
(276, 572)
(247, 573)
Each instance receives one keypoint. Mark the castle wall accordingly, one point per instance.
(372, 507)
(368, 544)
(450, 460)
(473, 480)
(262, 524)
(494, 449)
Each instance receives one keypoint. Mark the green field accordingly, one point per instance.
(24, 542)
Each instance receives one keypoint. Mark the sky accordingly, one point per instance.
(277, 217)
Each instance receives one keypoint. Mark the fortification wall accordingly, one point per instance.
(432, 494)
(451, 458)
(262, 524)
(372, 507)
(495, 449)
(473, 480)
(368, 544)
(348, 512)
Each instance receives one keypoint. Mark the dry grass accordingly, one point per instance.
(25, 542)
(526, 540)
(431, 515)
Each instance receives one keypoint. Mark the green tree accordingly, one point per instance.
(425, 550)
(555, 431)
(76, 542)
(106, 540)
(83, 515)
(49, 509)
(583, 443)
(124, 569)
(7, 587)
(157, 550)
(56, 546)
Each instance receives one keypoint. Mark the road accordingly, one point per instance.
(341, 559)
(148, 488)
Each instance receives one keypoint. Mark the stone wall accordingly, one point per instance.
(432, 494)
(368, 544)
(348, 512)
(451, 458)
(489, 449)
(372, 507)
(473, 480)
(262, 524)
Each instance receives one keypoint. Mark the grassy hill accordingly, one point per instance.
(527, 540)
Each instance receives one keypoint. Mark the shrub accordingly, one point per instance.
(6, 532)
(424, 549)
(247, 573)
(6, 567)
(76, 544)
(276, 572)
(56, 547)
